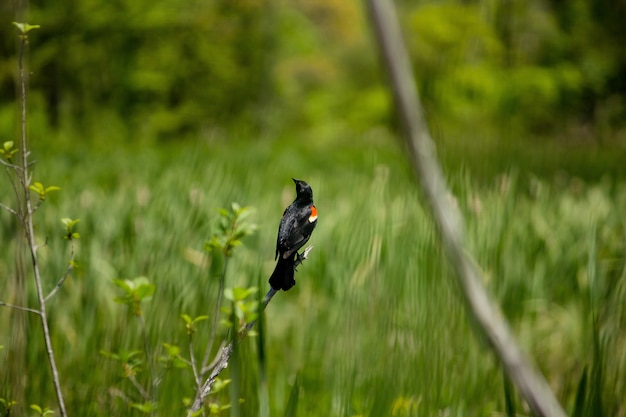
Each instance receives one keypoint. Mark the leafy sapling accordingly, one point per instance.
(43, 412)
(18, 166)
(136, 292)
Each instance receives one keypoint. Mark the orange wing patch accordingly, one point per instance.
(313, 215)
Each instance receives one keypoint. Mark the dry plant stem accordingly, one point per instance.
(9, 209)
(27, 218)
(69, 269)
(144, 394)
(194, 364)
(216, 313)
(493, 326)
(153, 372)
(225, 352)
(30, 310)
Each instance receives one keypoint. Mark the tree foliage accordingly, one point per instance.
(164, 69)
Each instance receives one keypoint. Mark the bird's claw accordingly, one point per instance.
(300, 257)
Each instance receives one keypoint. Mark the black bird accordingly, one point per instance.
(296, 226)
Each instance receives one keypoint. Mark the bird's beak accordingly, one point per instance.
(295, 180)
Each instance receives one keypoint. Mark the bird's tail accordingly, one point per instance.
(283, 276)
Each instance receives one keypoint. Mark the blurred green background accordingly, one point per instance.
(152, 115)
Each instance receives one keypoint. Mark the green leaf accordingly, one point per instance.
(69, 223)
(172, 350)
(145, 291)
(39, 188)
(8, 404)
(228, 294)
(145, 407)
(135, 291)
(52, 188)
(108, 354)
(124, 284)
(125, 356)
(196, 413)
(201, 318)
(219, 385)
(7, 150)
(240, 293)
(25, 27)
(42, 412)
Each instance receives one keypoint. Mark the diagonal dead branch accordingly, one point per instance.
(491, 323)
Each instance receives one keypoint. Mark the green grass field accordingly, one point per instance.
(374, 326)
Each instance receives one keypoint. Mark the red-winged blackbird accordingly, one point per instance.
(296, 226)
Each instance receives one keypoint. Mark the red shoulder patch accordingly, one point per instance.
(313, 215)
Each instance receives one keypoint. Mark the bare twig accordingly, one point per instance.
(215, 359)
(24, 177)
(70, 268)
(28, 309)
(10, 165)
(216, 313)
(144, 394)
(154, 380)
(492, 325)
(9, 209)
(225, 352)
(194, 365)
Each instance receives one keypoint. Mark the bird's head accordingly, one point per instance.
(303, 190)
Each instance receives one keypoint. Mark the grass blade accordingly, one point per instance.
(292, 404)
(509, 401)
(581, 395)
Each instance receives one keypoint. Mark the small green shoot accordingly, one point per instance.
(42, 412)
(131, 363)
(233, 226)
(245, 309)
(24, 28)
(7, 151)
(173, 357)
(135, 291)
(190, 323)
(70, 234)
(41, 190)
(146, 408)
(7, 405)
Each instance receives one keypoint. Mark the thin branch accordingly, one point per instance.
(9, 209)
(28, 309)
(144, 394)
(216, 313)
(214, 361)
(225, 352)
(70, 268)
(10, 165)
(194, 365)
(150, 358)
(14, 179)
(491, 323)
(24, 179)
